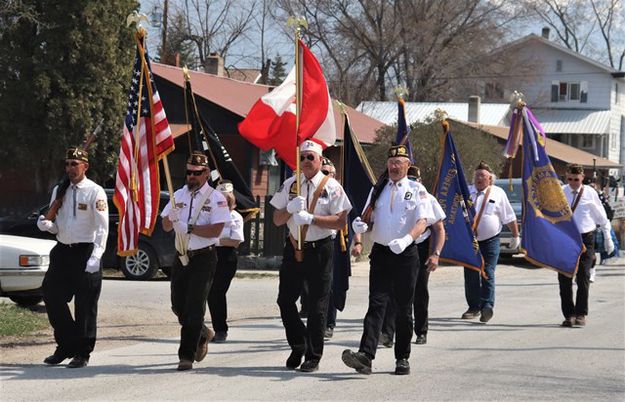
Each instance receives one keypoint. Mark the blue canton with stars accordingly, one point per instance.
(133, 101)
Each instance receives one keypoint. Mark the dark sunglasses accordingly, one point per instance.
(310, 157)
(325, 172)
(572, 179)
(195, 172)
(72, 164)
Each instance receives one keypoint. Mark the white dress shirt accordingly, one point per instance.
(332, 201)
(439, 215)
(410, 203)
(215, 210)
(233, 230)
(83, 216)
(589, 212)
(497, 212)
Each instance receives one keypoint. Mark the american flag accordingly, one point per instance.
(144, 143)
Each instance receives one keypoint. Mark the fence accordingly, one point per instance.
(262, 237)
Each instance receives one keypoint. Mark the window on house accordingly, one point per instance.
(563, 92)
(558, 65)
(493, 91)
(569, 91)
(587, 141)
(574, 91)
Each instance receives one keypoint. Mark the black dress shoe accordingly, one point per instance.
(568, 322)
(55, 358)
(295, 359)
(385, 340)
(328, 333)
(402, 367)
(220, 337)
(358, 361)
(422, 339)
(310, 365)
(78, 362)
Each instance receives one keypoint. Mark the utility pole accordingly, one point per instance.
(164, 55)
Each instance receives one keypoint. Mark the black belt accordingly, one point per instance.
(205, 250)
(75, 244)
(316, 243)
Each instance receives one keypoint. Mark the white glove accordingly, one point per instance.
(515, 242)
(303, 218)
(608, 243)
(296, 204)
(359, 226)
(399, 245)
(174, 215)
(44, 224)
(93, 265)
(181, 227)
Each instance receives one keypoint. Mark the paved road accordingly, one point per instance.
(522, 354)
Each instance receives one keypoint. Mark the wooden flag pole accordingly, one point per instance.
(299, 23)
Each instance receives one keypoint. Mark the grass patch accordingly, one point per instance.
(18, 321)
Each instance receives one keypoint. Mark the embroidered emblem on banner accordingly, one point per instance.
(546, 197)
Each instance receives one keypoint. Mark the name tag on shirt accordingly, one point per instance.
(82, 207)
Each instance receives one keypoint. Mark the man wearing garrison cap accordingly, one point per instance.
(78, 216)
(198, 217)
(397, 212)
(320, 208)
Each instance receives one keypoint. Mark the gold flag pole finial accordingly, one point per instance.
(136, 18)
(401, 92)
(339, 105)
(517, 99)
(185, 73)
(442, 116)
(297, 22)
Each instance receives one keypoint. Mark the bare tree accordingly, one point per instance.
(586, 26)
(215, 26)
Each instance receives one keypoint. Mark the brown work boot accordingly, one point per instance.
(580, 320)
(568, 322)
(185, 364)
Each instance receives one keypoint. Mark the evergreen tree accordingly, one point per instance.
(64, 65)
(278, 73)
(178, 43)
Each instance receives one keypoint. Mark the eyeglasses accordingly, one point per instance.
(72, 164)
(572, 179)
(195, 172)
(310, 157)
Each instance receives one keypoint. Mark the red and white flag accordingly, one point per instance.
(145, 140)
(270, 123)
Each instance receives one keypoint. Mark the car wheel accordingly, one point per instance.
(141, 266)
(26, 301)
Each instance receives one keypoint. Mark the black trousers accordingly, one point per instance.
(217, 303)
(316, 270)
(421, 298)
(66, 279)
(189, 290)
(392, 279)
(582, 278)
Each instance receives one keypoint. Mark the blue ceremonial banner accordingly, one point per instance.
(549, 235)
(402, 128)
(452, 192)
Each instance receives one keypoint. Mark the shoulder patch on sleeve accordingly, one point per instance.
(101, 205)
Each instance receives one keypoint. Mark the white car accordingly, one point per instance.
(23, 264)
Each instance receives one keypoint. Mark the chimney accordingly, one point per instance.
(214, 64)
(474, 109)
(545, 32)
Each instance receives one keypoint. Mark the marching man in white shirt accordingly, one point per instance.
(320, 209)
(199, 217)
(493, 210)
(588, 213)
(81, 224)
(399, 211)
